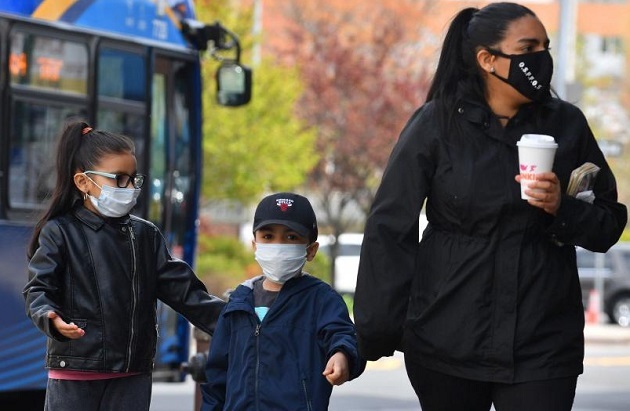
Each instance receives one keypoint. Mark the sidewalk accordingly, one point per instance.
(606, 334)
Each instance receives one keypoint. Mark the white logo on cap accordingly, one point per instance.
(284, 203)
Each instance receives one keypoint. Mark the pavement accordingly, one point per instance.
(603, 333)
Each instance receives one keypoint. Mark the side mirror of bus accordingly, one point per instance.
(234, 84)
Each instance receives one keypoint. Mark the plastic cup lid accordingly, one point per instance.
(537, 140)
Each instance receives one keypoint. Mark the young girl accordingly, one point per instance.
(96, 274)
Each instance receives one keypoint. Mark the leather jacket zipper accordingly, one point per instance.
(132, 238)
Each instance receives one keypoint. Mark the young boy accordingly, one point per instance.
(285, 337)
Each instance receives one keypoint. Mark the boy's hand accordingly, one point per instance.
(336, 371)
(71, 330)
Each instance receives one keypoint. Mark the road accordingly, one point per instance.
(604, 386)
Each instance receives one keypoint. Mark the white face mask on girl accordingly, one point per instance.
(113, 201)
(280, 262)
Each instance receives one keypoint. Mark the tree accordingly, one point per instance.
(363, 77)
(259, 147)
(360, 87)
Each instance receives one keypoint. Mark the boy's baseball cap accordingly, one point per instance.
(289, 209)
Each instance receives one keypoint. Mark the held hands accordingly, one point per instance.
(71, 330)
(336, 371)
(547, 195)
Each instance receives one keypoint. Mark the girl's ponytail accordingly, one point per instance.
(65, 192)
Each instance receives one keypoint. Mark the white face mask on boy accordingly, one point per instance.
(280, 262)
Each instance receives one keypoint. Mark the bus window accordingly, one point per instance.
(122, 95)
(129, 124)
(48, 63)
(121, 74)
(31, 166)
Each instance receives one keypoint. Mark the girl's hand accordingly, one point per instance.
(336, 371)
(71, 330)
(547, 193)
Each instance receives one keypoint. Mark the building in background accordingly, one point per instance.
(595, 72)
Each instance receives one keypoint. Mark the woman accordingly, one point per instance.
(487, 307)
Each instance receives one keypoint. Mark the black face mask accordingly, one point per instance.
(530, 73)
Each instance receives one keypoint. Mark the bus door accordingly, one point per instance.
(173, 189)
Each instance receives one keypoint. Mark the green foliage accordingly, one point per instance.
(261, 146)
(223, 262)
(349, 300)
(319, 267)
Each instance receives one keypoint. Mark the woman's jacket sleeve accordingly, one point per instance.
(390, 243)
(595, 226)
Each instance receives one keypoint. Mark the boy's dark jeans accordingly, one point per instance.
(131, 393)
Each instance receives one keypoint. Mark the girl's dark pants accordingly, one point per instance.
(131, 393)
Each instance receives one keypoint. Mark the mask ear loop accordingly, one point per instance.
(86, 195)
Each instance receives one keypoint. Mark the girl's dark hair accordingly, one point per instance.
(458, 73)
(80, 148)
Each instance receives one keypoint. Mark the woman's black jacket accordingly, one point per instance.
(106, 276)
(491, 292)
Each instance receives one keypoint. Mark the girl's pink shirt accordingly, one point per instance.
(86, 375)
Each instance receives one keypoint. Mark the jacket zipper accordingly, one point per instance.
(132, 237)
(309, 406)
(256, 334)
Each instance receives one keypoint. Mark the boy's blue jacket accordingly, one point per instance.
(277, 364)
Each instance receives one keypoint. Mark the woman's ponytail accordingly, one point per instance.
(452, 65)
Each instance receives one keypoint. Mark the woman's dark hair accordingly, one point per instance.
(458, 73)
(80, 148)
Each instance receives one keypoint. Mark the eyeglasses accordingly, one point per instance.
(122, 180)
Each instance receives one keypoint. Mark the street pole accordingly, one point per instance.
(256, 31)
(565, 63)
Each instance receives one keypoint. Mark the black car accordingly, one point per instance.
(613, 268)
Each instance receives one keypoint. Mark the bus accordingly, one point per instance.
(128, 66)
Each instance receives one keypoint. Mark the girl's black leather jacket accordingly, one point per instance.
(106, 276)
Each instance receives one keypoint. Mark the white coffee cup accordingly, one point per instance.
(536, 153)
